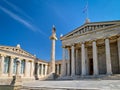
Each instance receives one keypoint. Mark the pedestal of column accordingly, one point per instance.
(73, 60)
(108, 57)
(83, 59)
(95, 58)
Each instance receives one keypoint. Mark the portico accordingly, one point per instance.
(93, 49)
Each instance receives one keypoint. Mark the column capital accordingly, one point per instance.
(64, 46)
(68, 48)
(73, 44)
(3, 55)
(83, 42)
(118, 37)
(12, 57)
(94, 40)
(106, 38)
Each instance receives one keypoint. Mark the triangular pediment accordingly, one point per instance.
(15, 50)
(88, 27)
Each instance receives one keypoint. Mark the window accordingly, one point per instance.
(59, 68)
(43, 69)
(6, 64)
(40, 67)
(22, 66)
(14, 66)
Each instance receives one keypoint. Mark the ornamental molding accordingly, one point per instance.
(90, 27)
(16, 50)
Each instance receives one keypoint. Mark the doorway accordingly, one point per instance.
(91, 66)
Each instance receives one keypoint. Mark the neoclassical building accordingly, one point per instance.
(92, 49)
(30, 67)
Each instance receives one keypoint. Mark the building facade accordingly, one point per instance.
(30, 67)
(92, 49)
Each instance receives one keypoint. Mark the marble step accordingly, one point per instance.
(102, 77)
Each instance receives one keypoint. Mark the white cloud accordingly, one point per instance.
(16, 8)
(22, 21)
(17, 18)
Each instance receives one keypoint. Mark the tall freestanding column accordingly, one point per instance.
(108, 56)
(83, 59)
(95, 58)
(53, 38)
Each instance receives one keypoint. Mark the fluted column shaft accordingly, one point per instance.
(76, 62)
(58, 69)
(18, 68)
(38, 69)
(73, 60)
(53, 57)
(63, 63)
(11, 67)
(118, 41)
(68, 66)
(1, 64)
(25, 74)
(32, 69)
(108, 56)
(95, 58)
(83, 59)
(42, 69)
(46, 69)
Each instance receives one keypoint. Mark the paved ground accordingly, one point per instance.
(76, 84)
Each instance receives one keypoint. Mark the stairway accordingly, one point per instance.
(100, 77)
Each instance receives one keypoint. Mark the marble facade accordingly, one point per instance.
(30, 67)
(92, 49)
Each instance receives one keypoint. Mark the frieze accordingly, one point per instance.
(15, 50)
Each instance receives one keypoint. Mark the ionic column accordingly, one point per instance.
(76, 62)
(63, 63)
(68, 66)
(32, 69)
(2, 57)
(38, 70)
(46, 69)
(58, 69)
(86, 59)
(42, 69)
(11, 67)
(73, 60)
(83, 59)
(25, 74)
(118, 41)
(18, 68)
(108, 57)
(95, 58)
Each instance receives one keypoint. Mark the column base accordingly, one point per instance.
(109, 73)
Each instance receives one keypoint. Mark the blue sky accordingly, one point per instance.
(29, 22)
